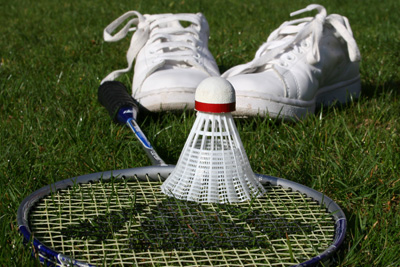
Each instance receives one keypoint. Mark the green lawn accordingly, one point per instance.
(52, 58)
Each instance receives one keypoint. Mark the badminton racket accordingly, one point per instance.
(121, 218)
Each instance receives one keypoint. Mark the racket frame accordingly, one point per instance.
(149, 173)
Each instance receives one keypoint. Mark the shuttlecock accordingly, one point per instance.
(213, 166)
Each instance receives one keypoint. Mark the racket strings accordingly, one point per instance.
(184, 225)
(137, 223)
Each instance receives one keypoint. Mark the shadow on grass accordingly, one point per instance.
(372, 90)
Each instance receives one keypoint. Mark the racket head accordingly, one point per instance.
(157, 174)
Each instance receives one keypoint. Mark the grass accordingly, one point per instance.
(52, 58)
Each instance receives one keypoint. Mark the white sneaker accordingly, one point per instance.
(171, 59)
(304, 63)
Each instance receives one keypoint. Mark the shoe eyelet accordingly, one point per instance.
(305, 44)
(290, 57)
(283, 64)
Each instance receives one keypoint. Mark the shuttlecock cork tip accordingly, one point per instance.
(215, 95)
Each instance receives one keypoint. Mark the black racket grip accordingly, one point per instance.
(113, 95)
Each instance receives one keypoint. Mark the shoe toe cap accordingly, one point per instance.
(171, 89)
(173, 79)
(263, 85)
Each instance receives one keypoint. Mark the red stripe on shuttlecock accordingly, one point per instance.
(215, 108)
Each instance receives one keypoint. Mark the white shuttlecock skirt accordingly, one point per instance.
(213, 166)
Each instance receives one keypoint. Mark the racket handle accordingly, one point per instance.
(113, 95)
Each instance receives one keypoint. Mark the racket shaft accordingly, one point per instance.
(150, 151)
(122, 108)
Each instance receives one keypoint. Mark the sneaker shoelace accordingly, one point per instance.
(170, 44)
(291, 35)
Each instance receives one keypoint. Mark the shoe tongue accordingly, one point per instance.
(171, 24)
(176, 24)
(177, 33)
(337, 17)
(285, 35)
(340, 20)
